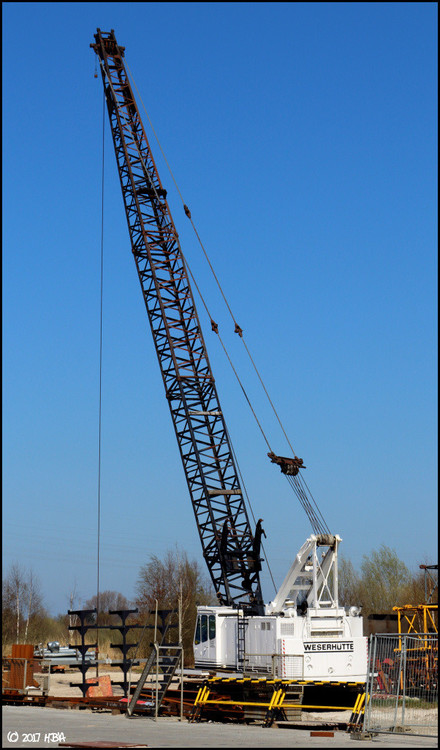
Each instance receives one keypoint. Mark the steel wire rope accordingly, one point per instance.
(301, 480)
(181, 251)
(250, 406)
(295, 486)
(237, 327)
(302, 501)
(293, 480)
(100, 386)
(250, 505)
(127, 122)
(191, 274)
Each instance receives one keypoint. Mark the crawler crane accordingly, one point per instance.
(303, 632)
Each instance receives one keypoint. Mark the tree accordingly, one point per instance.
(349, 584)
(165, 581)
(32, 591)
(415, 591)
(385, 581)
(14, 591)
(22, 606)
(108, 600)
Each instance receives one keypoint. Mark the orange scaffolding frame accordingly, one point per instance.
(420, 620)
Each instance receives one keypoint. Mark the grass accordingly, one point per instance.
(414, 703)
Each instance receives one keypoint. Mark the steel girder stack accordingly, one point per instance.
(229, 547)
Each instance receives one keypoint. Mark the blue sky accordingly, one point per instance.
(303, 137)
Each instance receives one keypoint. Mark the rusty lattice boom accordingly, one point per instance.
(230, 548)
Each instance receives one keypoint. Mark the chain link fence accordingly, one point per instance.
(402, 684)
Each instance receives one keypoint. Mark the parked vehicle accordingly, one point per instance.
(59, 657)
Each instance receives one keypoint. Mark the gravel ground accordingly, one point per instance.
(59, 686)
(49, 727)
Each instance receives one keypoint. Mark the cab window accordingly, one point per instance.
(204, 628)
(211, 627)
(197, 635)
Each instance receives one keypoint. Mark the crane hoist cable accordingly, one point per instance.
(293, 465)
(237, 328)
(98, 541)
(214, 325)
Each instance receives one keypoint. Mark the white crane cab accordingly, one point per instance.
(304, 634)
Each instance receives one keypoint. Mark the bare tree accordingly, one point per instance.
(73, 597)
(21, 603)
(165, 581)
(30, 587)
(108, 600)
(14, 594)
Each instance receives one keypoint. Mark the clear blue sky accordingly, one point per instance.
(303, 136)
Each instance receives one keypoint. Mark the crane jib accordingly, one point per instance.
(230, 549)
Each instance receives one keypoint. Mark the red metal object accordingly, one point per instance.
(22, 667)
(101, 690)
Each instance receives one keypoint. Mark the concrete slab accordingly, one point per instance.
(32, 727)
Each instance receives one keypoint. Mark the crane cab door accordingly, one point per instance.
(205, 639)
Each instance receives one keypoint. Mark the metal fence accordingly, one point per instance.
(288, 666)
(275, 665)
(402, 684)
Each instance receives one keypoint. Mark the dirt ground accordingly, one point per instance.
(59, 682)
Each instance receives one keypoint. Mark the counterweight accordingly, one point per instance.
(230, 549)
